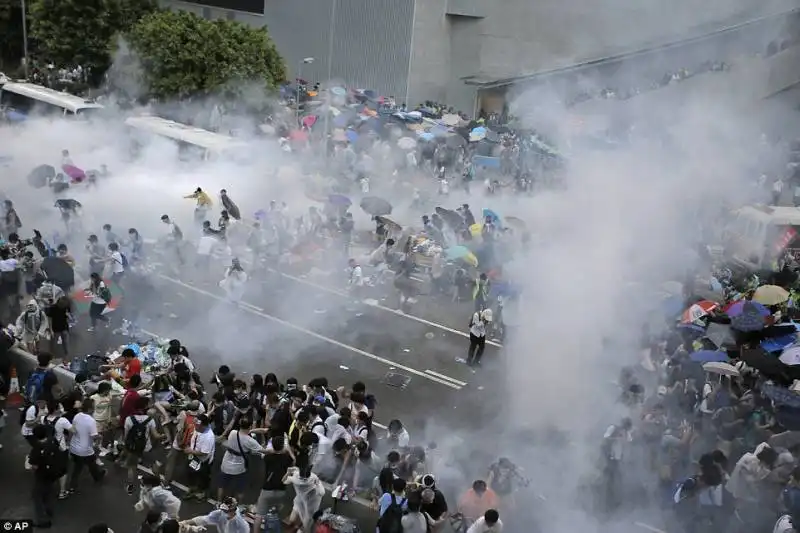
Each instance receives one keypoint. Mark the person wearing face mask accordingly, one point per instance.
(154, 497)
(226, 518)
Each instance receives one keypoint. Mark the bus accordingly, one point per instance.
(757, 234)
(191, 141)
(18, 100)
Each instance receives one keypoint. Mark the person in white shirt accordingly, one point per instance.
(101, 296)
(477, 336)
(132, 458)
(234, 282)
(62, 429)
(489, 523)
(117, 262)
(233, 469)
(33, 416)
(66, 159)
(200, 454)
(355, 280)
(82, 445)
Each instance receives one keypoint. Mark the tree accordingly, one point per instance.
(74, 32)
(81, 32)
(183, 54)
(11, 39)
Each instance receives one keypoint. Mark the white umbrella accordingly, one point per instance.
(451, 119)
(407, 143)
(267, 129)
(791, 355)
(723, 369)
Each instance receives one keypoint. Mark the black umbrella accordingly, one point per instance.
(59, 272)
(40, 176)
(455, 141)
(68, 204)
(231, 207)
(492, 136)
(375, 206)
(451, 218)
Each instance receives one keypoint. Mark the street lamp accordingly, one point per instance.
(304, 61)
(331, 32)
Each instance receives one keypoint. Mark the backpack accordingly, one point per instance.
(324, 427)
(124, 262)
(136, 439)
(105, 294)
(391, 519)
(50, 427)
(35, 385)
(54, 460)
(188, 430)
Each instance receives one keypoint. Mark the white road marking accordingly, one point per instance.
(384, 308)
(649, 527)
(448, 378)
(252, 309)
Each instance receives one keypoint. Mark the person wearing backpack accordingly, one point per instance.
(50, 465)
(184, 429)
(101, 297)
(139, 429)
(391, 507)
(60, 429)
(41, 381)
(118, 262)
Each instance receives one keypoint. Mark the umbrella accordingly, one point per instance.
(749, 320)
(723, 369)
(339, 199)
(791, 356)
(516, 223)
(770, 295)
(40, 176)
(462, 253)
(351, 135)
(737, 308)
(406, 143)
(267, 129)
(720, 334)
(68, 204)
(339, 135)
(476, 230)
(74, 173)
(372, 205)
(451, 119)
(298, 136)
(478, 134)
(59, 272)
(709, 356)
(494, 217)
(451, 218)
(698, 311)
(776, 344)
(780, 395)
(492, 137)
(425, 136)
(309, 121)
(390, 224)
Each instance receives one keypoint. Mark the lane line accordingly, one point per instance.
(316, 335)
(649, 527)
(448, 378)
(384, 308)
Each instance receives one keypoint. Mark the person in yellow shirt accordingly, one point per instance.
(203, 206)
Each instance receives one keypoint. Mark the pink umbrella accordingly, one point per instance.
(76, 175)
(298, 136)
(309, 121)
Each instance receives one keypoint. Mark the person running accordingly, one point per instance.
(174, 240)
(101, 297)
(203, 205)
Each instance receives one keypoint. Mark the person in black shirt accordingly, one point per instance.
(273, 491)
(50, 464)
(59, 315)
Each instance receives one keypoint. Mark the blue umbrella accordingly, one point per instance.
(780, 395)
(494, 216)
(673, 306)
(341, 120)
(351, 135)
(737, 308)
(709, 356)
(692, 327)
(425, 136)
(339, 199)
(776, 344)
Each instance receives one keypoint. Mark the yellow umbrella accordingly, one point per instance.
(476, 230)
(471, 260)
(770, 295)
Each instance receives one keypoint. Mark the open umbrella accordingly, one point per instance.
(770, 295)
(451, 119)
(492, 137)
(698, 310)
(406, 143)
(750, 319)
(791, 356)
(477, 134)
(40, 176)
(454, 140)
(494, 217)
(76, 175)
(59, 272)
(375, 206)
(516, 223)
(737, 308)
(776, 344)
(455, 253)
(709, 356)
(451, 218)
(339, 200)
(721, 335)
(723, 369)
(390, 224)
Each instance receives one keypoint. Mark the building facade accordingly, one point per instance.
(467, 52)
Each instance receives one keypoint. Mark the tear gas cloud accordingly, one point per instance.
(625, 220)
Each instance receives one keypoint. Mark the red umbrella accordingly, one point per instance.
(309, 121)
(698, 310)
(77, 175)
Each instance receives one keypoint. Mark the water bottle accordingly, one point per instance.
(272, 522)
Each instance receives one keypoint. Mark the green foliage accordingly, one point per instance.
(11, 42)
(183, 54)
(82, 32)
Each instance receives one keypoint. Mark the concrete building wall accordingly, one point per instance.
(430, 54)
